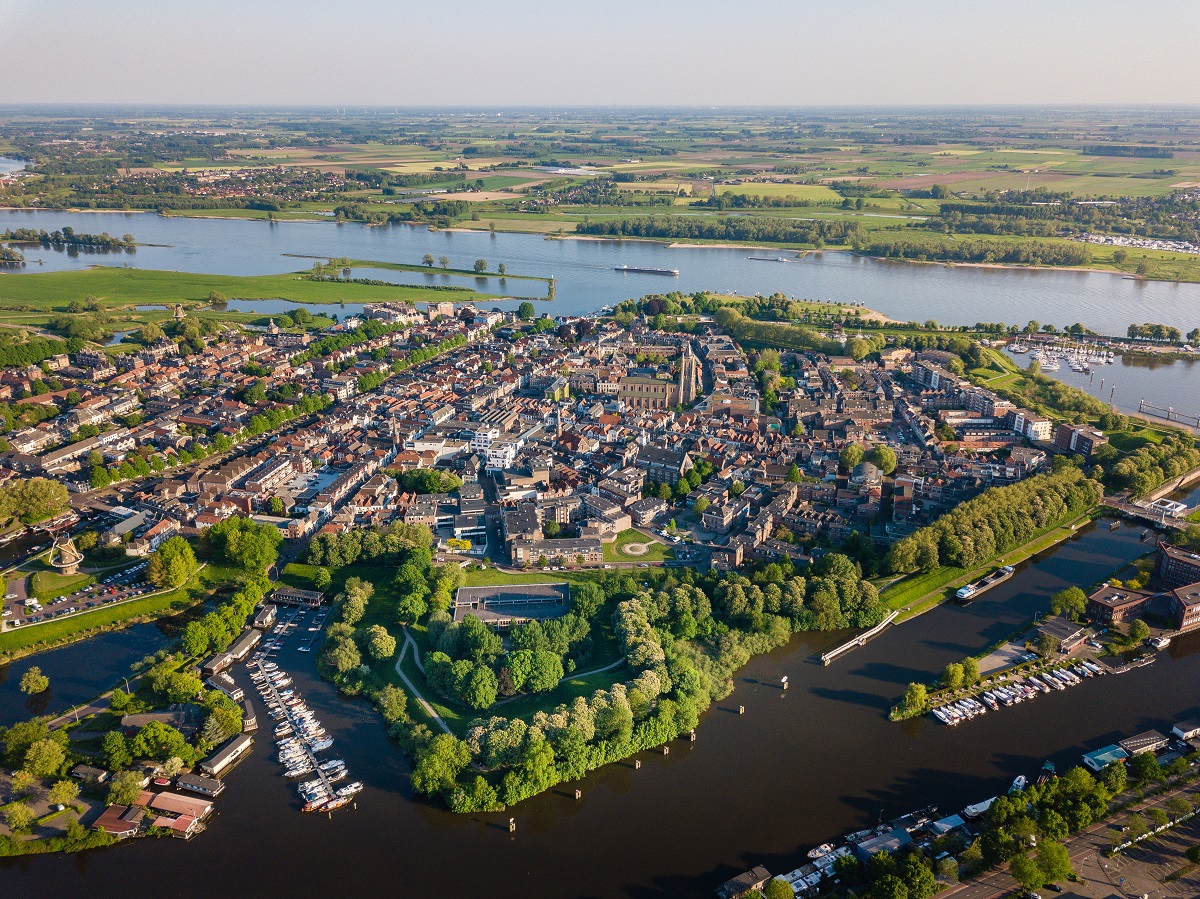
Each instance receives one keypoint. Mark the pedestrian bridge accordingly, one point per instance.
(860, 640)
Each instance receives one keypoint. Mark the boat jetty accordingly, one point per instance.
(301, 739)
(1018, 689)
(974, 591)
(920, 828)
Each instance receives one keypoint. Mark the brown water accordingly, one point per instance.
(761, 788)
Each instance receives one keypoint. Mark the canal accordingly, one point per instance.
(760, 788)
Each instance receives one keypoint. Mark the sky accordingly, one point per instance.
(609, 53)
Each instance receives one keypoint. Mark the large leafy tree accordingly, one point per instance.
(248, 544)
(172, 563)
(438, 764)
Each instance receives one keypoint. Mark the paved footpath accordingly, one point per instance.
(429, 710)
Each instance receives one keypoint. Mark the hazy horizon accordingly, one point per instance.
(531, 53)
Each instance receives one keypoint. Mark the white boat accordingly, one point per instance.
(823, 849)
(1018, 784)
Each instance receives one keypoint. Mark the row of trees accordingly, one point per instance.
(740, 228)
(33, 499)
(1025, 252)
(996, 521)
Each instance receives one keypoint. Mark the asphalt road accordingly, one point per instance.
(1084, 847)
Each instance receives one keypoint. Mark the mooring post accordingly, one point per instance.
(512, 825)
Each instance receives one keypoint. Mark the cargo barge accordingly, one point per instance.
(972, 591)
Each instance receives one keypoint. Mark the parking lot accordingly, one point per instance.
(21, 609)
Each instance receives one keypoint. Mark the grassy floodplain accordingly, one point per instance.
(115, 287)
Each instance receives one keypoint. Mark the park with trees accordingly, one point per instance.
(522, 717)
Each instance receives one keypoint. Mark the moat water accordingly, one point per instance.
(795, 770)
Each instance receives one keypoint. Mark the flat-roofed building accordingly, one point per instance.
(223, 758)
(584, 550)
(1176, 566)
(1185, 605)
(1100, 759)
(198, 783)
(506, 606)
(1187, 730)
(1149, 741)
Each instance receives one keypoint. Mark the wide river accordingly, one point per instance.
(586, 279)
(761, 788)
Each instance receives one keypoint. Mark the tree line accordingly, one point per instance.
(1029, 252)
(996, 521)
(766, 230)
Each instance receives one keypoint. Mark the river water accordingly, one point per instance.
(1130, 379)
(80, 671)
(759, 788)
(586, 279)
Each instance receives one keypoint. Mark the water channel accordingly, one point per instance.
(759, 788)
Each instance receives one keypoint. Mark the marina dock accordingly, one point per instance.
(298, 734)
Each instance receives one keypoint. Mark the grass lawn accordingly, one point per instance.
(51, 585)
(922, 592)
(117, 287)
(619, 551)
(298, 575)
(914, 587)
(492, 577)
(1128, 441)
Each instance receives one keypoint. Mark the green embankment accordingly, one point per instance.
(919, 593)
(427, 269)
(51, 291)
(32, 638)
